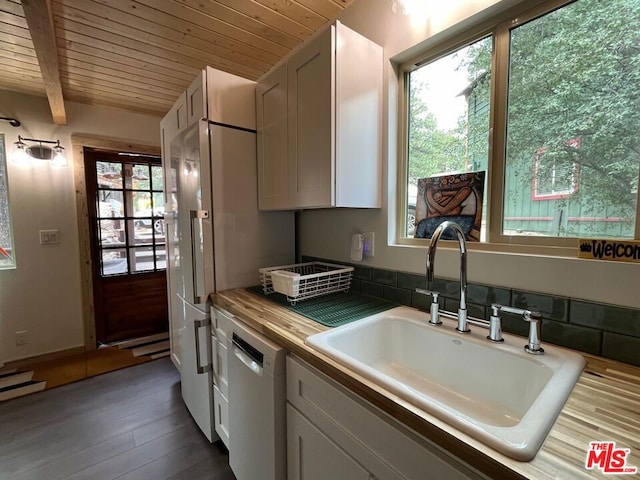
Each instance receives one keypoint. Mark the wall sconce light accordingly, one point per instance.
(14, 122)
(40, 151)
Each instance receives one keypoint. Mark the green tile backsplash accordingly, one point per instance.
(473, 309)
(398, 295)
(572, 336)
(372, 288)
(553, 308)
(605, 330)
(621, 347)
(514, 324)
(386, 277)
(411, 281)
(606, 317)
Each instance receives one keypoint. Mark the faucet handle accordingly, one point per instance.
(434, 310)
(535, 325)
(528, 315)
(495, 324)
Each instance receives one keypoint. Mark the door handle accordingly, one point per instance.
(193, 216)
(196, 326)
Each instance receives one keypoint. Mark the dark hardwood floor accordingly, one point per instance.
(129, 424)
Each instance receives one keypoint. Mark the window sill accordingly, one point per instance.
(505, 248)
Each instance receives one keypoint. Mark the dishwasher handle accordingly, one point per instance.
(247, 354)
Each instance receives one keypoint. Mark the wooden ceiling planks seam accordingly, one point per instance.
(140, 54)
(153, 33)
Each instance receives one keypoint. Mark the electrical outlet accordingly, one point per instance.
(21, 338)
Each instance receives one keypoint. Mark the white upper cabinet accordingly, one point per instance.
(319, 125)
(196, 99)
(174, 121)
(229, 99)
(271, 112)
(311, 122)
(220, 97)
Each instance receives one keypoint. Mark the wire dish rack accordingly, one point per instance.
(301, 281)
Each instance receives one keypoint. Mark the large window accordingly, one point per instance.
(6, 239)
(448, 119)
(566, 128)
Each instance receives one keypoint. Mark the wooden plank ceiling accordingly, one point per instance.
(140, 54)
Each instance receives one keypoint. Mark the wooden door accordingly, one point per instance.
(126, 204)
(311, 108)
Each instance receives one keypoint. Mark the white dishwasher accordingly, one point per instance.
(257, 398)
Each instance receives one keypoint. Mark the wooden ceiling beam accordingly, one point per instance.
(40, 21)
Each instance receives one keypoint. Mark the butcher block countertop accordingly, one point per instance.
(604, 405)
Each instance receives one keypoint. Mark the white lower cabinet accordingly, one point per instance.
(221, 325)
(221, 415)
(311, 455)
(332, 433)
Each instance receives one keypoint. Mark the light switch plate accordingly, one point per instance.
(49, 237)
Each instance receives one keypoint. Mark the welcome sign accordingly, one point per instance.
(615, 250)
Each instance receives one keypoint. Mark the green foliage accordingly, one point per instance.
(431, 151)
(574, 74)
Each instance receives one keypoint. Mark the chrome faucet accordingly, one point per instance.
(431, 258)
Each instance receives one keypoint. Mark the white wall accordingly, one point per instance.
(327, 233)
(42, 295)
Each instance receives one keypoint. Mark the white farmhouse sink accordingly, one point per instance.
(494, 392)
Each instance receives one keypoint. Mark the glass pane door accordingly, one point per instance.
(129, 211)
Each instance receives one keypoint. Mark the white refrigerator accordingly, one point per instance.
(216, 237)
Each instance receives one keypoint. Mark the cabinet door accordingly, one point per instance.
(385, 447)
(311, 455)
(359, 64)
(311, 107)
(196, 384)
(175, 120)
(220, 366)
(170, 126)
(196, 99)
(271, 113)
(221, 415)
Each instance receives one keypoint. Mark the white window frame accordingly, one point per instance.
(500, 29)
(3, 158)
(553, 193)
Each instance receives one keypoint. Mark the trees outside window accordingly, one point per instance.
(448, 118)
(571, 73)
